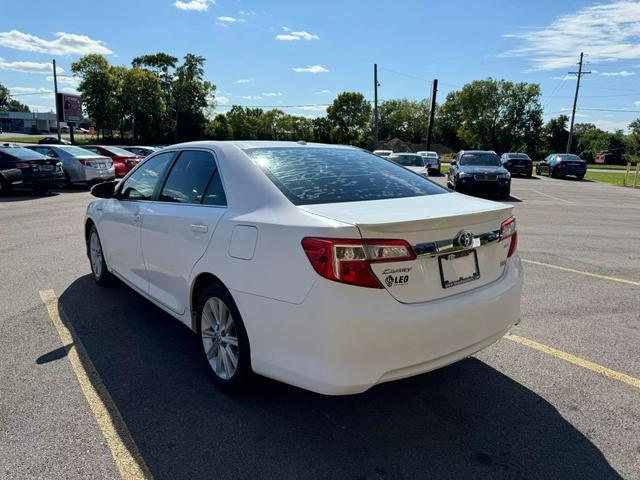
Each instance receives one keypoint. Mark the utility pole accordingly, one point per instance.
(375, 102)
(55, 89)
(579, 73)
(432, 111)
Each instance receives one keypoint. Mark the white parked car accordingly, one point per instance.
(432, 160)
(412, 161)
(322, 266)
(383, 153)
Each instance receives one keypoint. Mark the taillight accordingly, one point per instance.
(348, 260)
(21, 165)
(559, 163)
(508, 230)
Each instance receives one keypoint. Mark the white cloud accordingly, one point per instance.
(313, 108)
(243, 80)
(311, 69)
(246, 13)
(19, 90)
(195, 5)
(28, 67)
(323, 92)
(605, 33)
(272, 94)
(222, 100)
(637, 103)
(227, 19)
(623, 73)
(286, 29)
(63, 44)
(40, 108)
(70, 90)
(294, 36)
(65, 80)
(250, 97)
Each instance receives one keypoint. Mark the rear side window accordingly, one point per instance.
(331, 175)
(143, 181)
(189, 177)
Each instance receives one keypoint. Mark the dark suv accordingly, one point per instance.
(479, 171)
(21, 167)
(517, 163)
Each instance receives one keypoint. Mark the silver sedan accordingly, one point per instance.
(79, 165)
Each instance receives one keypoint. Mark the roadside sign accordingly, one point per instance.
(69, 107)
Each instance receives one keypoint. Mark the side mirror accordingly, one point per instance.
(453, 162)
(104, 190)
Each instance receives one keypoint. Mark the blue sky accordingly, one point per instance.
(304, 53)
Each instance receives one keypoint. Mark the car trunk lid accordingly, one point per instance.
(431, 225)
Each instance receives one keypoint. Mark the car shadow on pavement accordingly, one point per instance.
(464, 421)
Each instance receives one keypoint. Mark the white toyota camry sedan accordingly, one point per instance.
(322, 266)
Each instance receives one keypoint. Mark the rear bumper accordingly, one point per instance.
(571, 171)
(40, 180)
(92, 174)
(344, 339)
(521, 169)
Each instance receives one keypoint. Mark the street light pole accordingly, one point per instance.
(55, 89)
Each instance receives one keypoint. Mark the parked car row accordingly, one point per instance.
(30, 165)
(423, 162)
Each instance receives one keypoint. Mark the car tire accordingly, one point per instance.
(580, 177)
(505, 195)
(99, 270)
(4, 186)
(230, 366)
(67, 180)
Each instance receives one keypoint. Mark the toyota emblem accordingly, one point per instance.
(464, 239)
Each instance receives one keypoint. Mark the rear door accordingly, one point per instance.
(177, 227)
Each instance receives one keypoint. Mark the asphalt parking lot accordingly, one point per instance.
(98, 383)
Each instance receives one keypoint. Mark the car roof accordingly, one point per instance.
(406, 153)
(477, 151)
(247, 144)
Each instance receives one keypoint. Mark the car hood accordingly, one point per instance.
(472, 169)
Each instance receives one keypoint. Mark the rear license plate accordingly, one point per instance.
(101, 165)
(459, 268)
(45, 168)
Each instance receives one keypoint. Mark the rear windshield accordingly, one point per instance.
(22, 153)
(333, 175)
(118, 151)
(570, 157)
(518, 155)
(408, 160)
(78, 152)
(480, 159)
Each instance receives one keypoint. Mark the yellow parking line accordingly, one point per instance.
(581, 362)
(589, 274)
(125, 452)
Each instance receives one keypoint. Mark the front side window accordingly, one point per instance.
(307, 175)
(142, 182)
(189, 177)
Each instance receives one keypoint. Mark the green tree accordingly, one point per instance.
(191, 95)
(555, 135)
(219, 129)
(494, 114)
(321, 129)
(142, 102)
(8, 104)
(403, 119)
(350, 118)
(163, 66)
(98, 87)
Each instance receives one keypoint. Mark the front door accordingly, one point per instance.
(121, 221)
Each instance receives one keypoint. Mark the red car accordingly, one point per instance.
(123, 161)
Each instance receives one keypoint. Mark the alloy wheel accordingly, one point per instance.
(219, 338)
(95, 251)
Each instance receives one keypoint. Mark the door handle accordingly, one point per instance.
(199, 228)
(137, 219)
